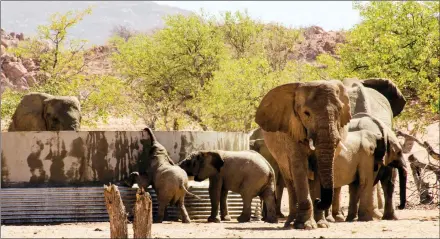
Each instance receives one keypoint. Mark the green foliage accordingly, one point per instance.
(64, 60)
(170, 68)
(399, 41)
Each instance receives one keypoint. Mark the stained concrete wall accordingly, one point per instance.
(39, 159)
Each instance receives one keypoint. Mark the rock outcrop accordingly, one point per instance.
(16, 73)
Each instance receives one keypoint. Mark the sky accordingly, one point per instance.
(330, 15)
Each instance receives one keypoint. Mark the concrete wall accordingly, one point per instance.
(39, 159)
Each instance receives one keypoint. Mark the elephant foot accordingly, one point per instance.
(307, 225)
(377, 214)
(214, 219)
(323, 223)
(271, 220)
(350, 217)
(226, 218)
(339, 217)
(186, 221)
(243, 218)
(365, 218)
(389, 216)
(330, 218)
(289, 220)
(280, 215)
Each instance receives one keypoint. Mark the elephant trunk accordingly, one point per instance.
(402, 186)
(327, 141)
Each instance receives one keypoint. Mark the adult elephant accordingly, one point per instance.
(305, 120)
(256, 143)
(44, 112)
(382, 99)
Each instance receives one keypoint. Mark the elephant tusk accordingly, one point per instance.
(312, 147)
(343, 146)
(135, 186)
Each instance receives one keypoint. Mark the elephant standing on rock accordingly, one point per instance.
(44, 112)
(256, 142)
(300, 121)
(369, 141)
(168, 180)
(243, 172)
(381, 99)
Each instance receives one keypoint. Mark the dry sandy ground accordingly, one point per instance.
(413, 224)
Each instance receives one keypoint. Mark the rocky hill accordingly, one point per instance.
(20, 74)
(145, 16)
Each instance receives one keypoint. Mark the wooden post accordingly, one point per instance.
(143, 215)
(116, 212)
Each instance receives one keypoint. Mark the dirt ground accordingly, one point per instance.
(412, 224)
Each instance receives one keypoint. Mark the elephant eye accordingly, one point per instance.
(307, 113)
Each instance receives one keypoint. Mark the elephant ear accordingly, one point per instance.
(345, 115)
(390, 91)
(216, 160)
(276, 111)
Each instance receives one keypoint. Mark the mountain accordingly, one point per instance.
(25, 16)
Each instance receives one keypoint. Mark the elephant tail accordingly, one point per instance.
(191, 194)
(152, 136)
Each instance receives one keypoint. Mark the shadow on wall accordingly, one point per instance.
(70, 158)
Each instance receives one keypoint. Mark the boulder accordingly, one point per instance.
(14, 70)
(29, 64)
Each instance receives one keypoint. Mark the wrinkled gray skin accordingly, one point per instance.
(381, 99)
(390, 156)
(243, 172)
(169, 181)
(302, 120)
(256, 142)
(44, 112)
(370, 143)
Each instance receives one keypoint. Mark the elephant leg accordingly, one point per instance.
(366, 201)
(315, 192)
(388, 182)
(292, 203)
(377, 198)
(160, 212)
(380, 204)
(224, 212)
(183, 212)
(268, 196)
(337, 212)
(353, 202)
(304, 216)
(247, 210)
(215, 187)
(279, 195)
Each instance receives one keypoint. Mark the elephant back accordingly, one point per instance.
(30, 109)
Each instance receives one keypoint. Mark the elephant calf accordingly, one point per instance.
(168, 180)
(243, 172)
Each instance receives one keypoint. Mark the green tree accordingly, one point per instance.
(230, 100)
(398, 41)
(63, 59)
(170, 68)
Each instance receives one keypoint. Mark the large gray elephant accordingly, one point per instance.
(356, 166)
(256, 142)
(44, 112)
(381, 99)
(243, 172)
(305, 120)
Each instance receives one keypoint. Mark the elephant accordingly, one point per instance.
(256, 143)
(168, 180)
(382, 99)
(244, 172)
(303, 120)
(44, 112)
(356, 166)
